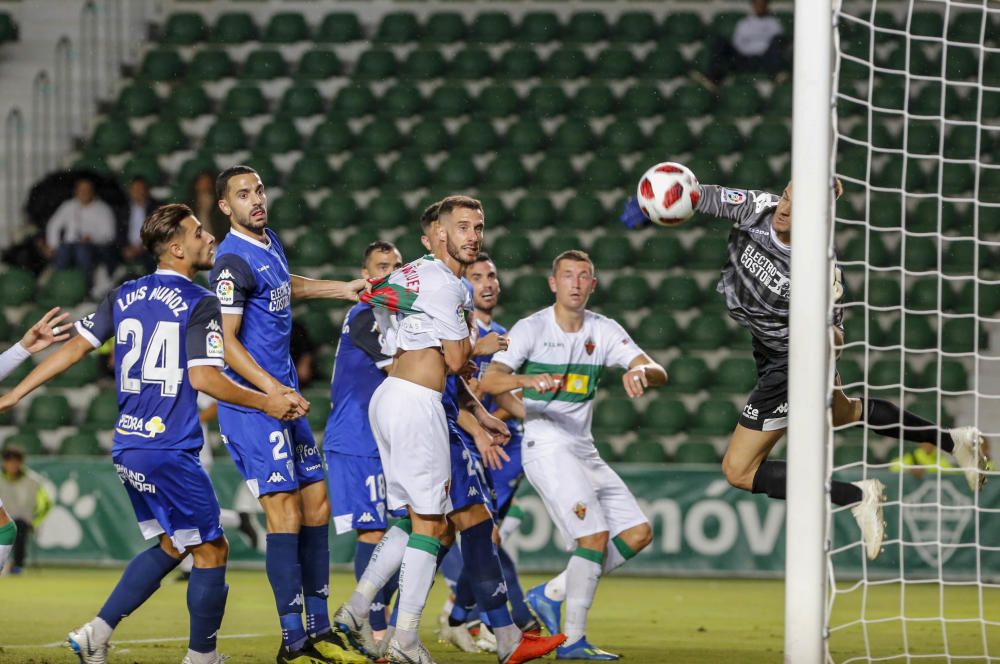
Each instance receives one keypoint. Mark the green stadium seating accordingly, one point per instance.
(707, 253)
(266, 169)
(676, 293)
(546, 100)
(554, 173)
(530, 291)
(664, 62)
(614, 416)
(682, 27)
(352, 250)
(634, 27)
(318, 64)
(27, 441)
(210, 64)
(526, 136)
(402, 100)
(606, 451)
(707, 331)
(331, 136)
(644, 451)
(472, 63)
(235, 27)
(289, 211)
(573, 137)
(430, 135)
(398, 27)
(962, 335)
(102, 412)
(497, 100)
(313, 250)
(622, 136)
(112, 136)
(715, 417)
(664, 416)
(224, 137)
(738, 99)
(593, 100)
(408, 172)
(566, 63)
(82, 443)
(630, 291)
(264, 65)
(311, 171)
(162, 64)
(339, 28)
(780, 102)
(497, 214)
(882, 292)
(142, 165)
(8, 28)
(475, 137)
(64, 288)
(919, 333)
(645, 100)
(6, 331)
(354, 101)
(671, 137)
(337, 210)
(138, 99)
(953, 376)
(49, 411)
(450, 100)
(319, 411)
(587, 28)
(444, 27)
(286, 28)
(511, 250)
(491, 27)
(424, 64)
(612, 252)
(189, 100)
(688, 374)
(696, 452)
(657, 330)
(320, 327)
(376, 64)
(720, 139)
(539, 27)
(533, 212)
(604, 174)
(243, 101)
(457, 173)
(81, 374)
(583, 211)
(519, 63)
(359, 173)
(379, 137)
(504, 172)
(278, 136)
(735, 375)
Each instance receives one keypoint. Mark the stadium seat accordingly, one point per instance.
(670, 138)
(612, 252)
(408, 172)
(748, 172)
(144, 165)
(697, 452)
(539, 27)
(567, 63)
(962, 335)
(519, 63)
(882, 292)
(739, 98)
(311, 171)
(354, 101)
(715, 417)
(720, 139)
(573, 137)
(286, 28)
(735, 375)
(321, 329)
(188, 100)
(604, 174)
(112, 136)
(376, 64)
(681, 27)
(497, 214)
(688, 374)
(243, 101)
(525, 136)
(339, 28)
(630, 291)
(102, 412)
(444, 27)
(504, 172)
(614, 416)
(582, 212)
(398, 27)
(530, 291)
(331, 136)
(780, 101)
(290, 210)
(491, 27)
(664, 62)
(162, 64)
(586, 28)
(634, 27)
(644, 451)
(234, 28)
(81, 374)
(475, 137)
(593, 99)
(138, 99)
(402, 100)
(675, 293)
(708, 253)
(318, 64)
(264, 64)
(337, 210)
(920, 254)
(313, 250)
(929, 409)
(65, 288)
(6, 330)
(210, 64)
(278, 136)
(456, 173)
(533, 212)
(379, 137)
(430, 135)
(707, 331)
(511, 250)
(664, 416)
(27, 441)
(657, 330)
(450, 100)
(622, 136)
(225, 136)
(554, 173)
(301, 100)
(8, 28)
(352, 249)
(472, 63)
(645, 100)
(49, 411)
(424, 64)
(546, 100)
(82, 443)
(919, 333)
(497, 100)
(606, 451)
(264, 165)
(359, 173)
(953, 376)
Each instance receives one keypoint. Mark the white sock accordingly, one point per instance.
(229, 519)
(555, 589)
(385, 560)
(613, 559)
(201, 657)
(508, 639)
(5, 550)
(509, 526)
(416, 575)
(582, 575)
(102, 630)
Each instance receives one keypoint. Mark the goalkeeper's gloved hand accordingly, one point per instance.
(632, 216)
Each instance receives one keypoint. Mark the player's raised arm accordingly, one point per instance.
(304, 288)
(739, 205)
(38, 337)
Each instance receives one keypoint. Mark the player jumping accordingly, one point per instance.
(279, 460)
(561, 352)
(168, 347)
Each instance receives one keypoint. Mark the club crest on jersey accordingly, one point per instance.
(589, 346)
(213, 345)
(580, 510)
(733, 196)
(224, 290)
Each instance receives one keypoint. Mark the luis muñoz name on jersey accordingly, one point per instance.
(281, 297)
(759, 265)
(171, 297)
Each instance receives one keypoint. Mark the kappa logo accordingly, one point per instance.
(580, 510)
(762, 201)
(324, 591)
(782, 409)
(472, 492)
(275, 477)
(213, 326)
(750, 412)
(500, 590)
(298, 601)
(225, 274)
(366, 518)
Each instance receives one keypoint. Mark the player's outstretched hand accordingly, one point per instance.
(632, 215)
(635, 382)
(490, 344)
(46, 331)
(540, 383)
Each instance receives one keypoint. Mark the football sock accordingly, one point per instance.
(511, 523)
(483, 567)
(139, 581)
(206, 601)
(384, 563)
(771, 477)
(314, 558)
(451, 567)
(8, 533)
(619, 552)
(416, 574)
(285, 575)
(465, 600)
(387, 593)
(376, 612)
(518, 607)
(555, 589)
(885, 418)
(582, 574)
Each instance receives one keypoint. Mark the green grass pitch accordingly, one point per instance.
(649, 620)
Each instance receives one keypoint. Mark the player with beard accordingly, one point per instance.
(280, 461)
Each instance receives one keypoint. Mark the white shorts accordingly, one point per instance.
(411, 431)
(584, 496)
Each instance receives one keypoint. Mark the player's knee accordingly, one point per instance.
(317, 514)
(211, 554)
(639, 537)
(597, 541)
(737, 473)
(168, 547)
(283, 516)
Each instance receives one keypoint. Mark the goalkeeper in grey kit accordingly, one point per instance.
(756, 284)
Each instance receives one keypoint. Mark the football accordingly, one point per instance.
(667, 193)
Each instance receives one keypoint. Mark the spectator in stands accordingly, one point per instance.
(25, 499)
(206, 207)
(81, 232)
(303, 352)
(757, 45)
(140, 206)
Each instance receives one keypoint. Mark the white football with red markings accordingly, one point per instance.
(667, 193)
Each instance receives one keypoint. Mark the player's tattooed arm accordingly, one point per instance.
(643, 372)
(239, 360)
(53, 365)
(304, 288)
(500, 378)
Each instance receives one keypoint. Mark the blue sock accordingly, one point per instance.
(376, 613)
(139, 581)
(465, 599)
(285, 575)
(483, 566)
(314, 557)
(518, 607)
(451, 567)
(206, 600)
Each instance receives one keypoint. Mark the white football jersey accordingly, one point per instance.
(538, 345)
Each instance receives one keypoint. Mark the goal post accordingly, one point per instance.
(809, 342)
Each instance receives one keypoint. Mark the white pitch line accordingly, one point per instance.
(56, 644)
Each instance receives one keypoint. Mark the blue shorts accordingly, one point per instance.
(357, 492)
(271, 455)
(507, 480)
(469, 484)
(170, 493)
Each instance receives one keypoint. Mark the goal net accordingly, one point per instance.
(917, 232)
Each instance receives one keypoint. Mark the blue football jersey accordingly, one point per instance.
(162, 324)
(483, 361)
(252, 278)
(357, 372)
